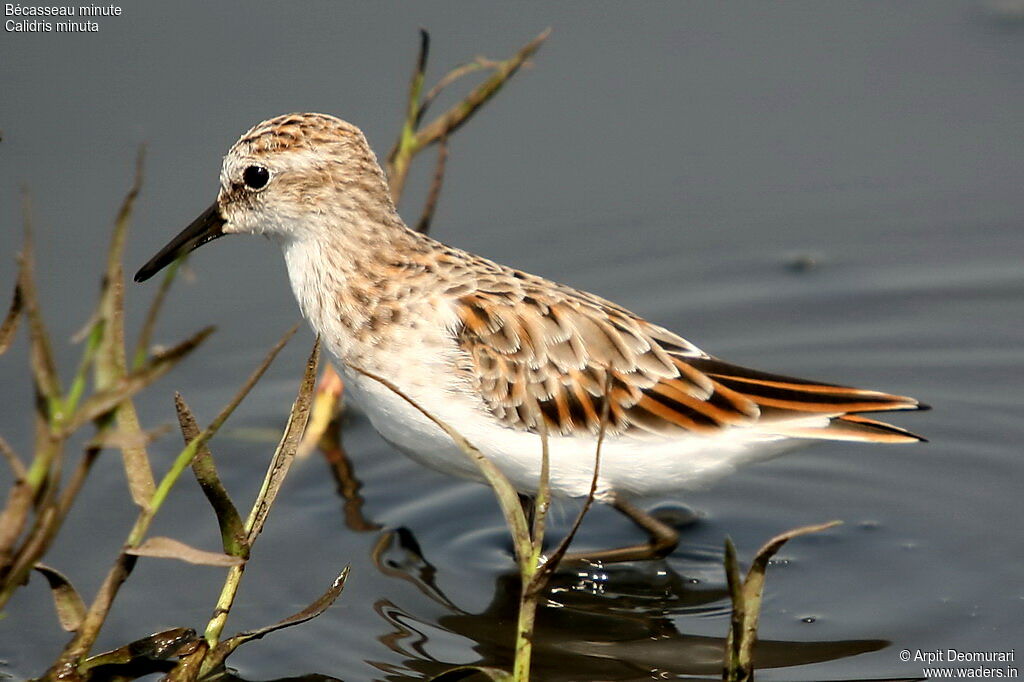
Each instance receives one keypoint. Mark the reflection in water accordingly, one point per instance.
(597, 625)
(348, 484)
(301, 678)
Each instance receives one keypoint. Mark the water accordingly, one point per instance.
(689, 161)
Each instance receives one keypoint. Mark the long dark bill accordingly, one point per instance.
(205, 228)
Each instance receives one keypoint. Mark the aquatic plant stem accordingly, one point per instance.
(78, 383)
(532, 580)
(528, 602)
(405, 146)
(215, 627)
(280, 463)
(534, 575)
(746, 595)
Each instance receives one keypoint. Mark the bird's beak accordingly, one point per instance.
(207, 227)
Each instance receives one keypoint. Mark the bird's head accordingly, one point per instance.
(296, 176)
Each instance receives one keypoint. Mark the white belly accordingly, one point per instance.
(629, 465)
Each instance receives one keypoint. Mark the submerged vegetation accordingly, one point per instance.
(100, 397)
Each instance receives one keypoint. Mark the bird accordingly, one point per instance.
(500, 354)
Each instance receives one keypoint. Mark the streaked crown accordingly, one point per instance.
(292, 132)
(287, 169)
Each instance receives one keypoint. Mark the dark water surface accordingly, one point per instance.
(676, 158)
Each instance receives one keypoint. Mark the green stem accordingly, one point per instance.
(146, 335)
(541, 504)
(77, 388)
(39, 471)
(163, 490)
(220, 614)
(528, 601)
(406, 147)
(215, 627)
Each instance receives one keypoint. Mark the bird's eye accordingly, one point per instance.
(256, 177)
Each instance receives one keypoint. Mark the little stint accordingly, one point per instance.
(492, 350)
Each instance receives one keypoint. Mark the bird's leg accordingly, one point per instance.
(663, 539)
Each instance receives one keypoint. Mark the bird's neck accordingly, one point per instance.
(350, 280)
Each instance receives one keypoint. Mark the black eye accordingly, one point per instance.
(256, 177)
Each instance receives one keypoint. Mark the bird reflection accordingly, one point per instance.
(595, 625)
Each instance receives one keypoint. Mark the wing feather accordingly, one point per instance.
(542, 350)
(539, 354)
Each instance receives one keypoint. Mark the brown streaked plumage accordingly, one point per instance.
(492, 350)
(539, 348)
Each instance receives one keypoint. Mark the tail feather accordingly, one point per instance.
(802, 408)
(800, 395)
(847, 428)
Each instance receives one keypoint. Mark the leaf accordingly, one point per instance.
(44, 371)
(542, 501)
(542, 576)
(123, 219)
(746, 600)
(12, 519)
(232, 531)
(753, 586)
(107, 399)
(285, 452)
(733, 667)
(10, 323)
(187, 454)
(189, 665)
(168, 548)
(93, 337)
(159, 646)
(111, 371)
(111, 365)
(86, 329)
(323, 602)
(69, 604)
(276, 472)
(455, 74)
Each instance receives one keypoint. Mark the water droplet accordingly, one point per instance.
(593, 580)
